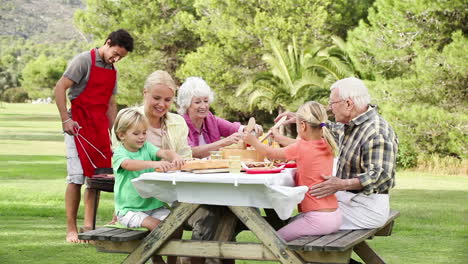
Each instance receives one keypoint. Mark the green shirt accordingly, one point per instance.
(125, 195)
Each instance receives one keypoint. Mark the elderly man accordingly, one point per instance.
(365, 170)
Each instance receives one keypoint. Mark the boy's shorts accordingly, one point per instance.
(74, 168)
(133, 219)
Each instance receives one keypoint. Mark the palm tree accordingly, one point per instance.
(295, 76)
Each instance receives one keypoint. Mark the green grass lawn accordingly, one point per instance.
(431, 228)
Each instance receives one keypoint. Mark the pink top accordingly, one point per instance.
(213, 128)
(313, 158)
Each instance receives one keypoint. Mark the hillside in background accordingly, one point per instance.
(41, 21)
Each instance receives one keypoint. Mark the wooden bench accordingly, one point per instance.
(332, 248)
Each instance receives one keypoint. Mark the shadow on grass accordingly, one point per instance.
(27, 117)
(38, 137)
(32, 167)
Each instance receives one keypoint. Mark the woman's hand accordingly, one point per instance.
(250, 139)
(258, 129)
(290, 118)
(162, 165)
(275, 134)
(233, 139)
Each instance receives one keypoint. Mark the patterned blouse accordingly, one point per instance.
(367, 150)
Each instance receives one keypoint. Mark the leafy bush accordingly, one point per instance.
(40, 75)
(14, 95)
(426, 130)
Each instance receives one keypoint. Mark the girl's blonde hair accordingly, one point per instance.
(315, 115)
(129, 118)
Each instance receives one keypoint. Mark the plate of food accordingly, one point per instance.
(260, 167)
(287, 164)
(260, 170)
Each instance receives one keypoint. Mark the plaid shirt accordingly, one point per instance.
(367, 150)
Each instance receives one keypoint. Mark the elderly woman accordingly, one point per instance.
(205, 129)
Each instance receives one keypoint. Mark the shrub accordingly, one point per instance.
(14, 95)
(427, 130)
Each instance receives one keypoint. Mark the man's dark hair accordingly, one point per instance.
(121, 38)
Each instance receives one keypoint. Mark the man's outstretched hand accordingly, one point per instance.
(328, 187)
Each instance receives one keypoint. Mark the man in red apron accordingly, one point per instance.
(92, 80)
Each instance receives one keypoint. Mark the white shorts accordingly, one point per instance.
(74, 168)
(362, 211)
(133, 219)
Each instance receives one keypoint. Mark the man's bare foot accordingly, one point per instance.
(85, 229)
(72, 237)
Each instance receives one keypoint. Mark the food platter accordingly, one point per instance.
(261, 170)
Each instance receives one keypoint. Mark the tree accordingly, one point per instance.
(161, 39)
(234, 34)
(297, 75)
(416, 54)
(344, 15)
(40, 76)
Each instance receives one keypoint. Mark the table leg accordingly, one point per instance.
(366, 253)
(266, 234)
(226, 229)
(273, 219)
(156, 239)
(96, 205)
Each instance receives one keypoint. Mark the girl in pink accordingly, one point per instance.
(313, 152)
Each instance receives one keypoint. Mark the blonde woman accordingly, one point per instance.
(166, 130)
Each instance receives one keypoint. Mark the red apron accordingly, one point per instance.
(89, 109)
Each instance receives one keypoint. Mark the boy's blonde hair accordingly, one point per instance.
(128, 118)
(315, 115)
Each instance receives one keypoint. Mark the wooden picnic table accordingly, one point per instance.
(333, 248)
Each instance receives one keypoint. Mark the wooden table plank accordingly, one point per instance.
(351, 239)
(298, 244)
(153, 242)
(90, 235)
(194, 248)
(319, 244)
(107, 235)
(130, 235)
(266, 234)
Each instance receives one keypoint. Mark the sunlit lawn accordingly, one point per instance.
(431, 228)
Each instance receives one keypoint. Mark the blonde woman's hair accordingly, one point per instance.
(315, 115)
(127, 119)
(161, 77)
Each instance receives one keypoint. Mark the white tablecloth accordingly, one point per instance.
(275, 191)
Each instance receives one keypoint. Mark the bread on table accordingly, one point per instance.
(198, 164)
(205, 164)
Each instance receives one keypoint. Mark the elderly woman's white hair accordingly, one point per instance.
(192, 87)
(354, 89)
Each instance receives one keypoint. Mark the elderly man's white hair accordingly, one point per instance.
(354, 89)
(192, 87)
